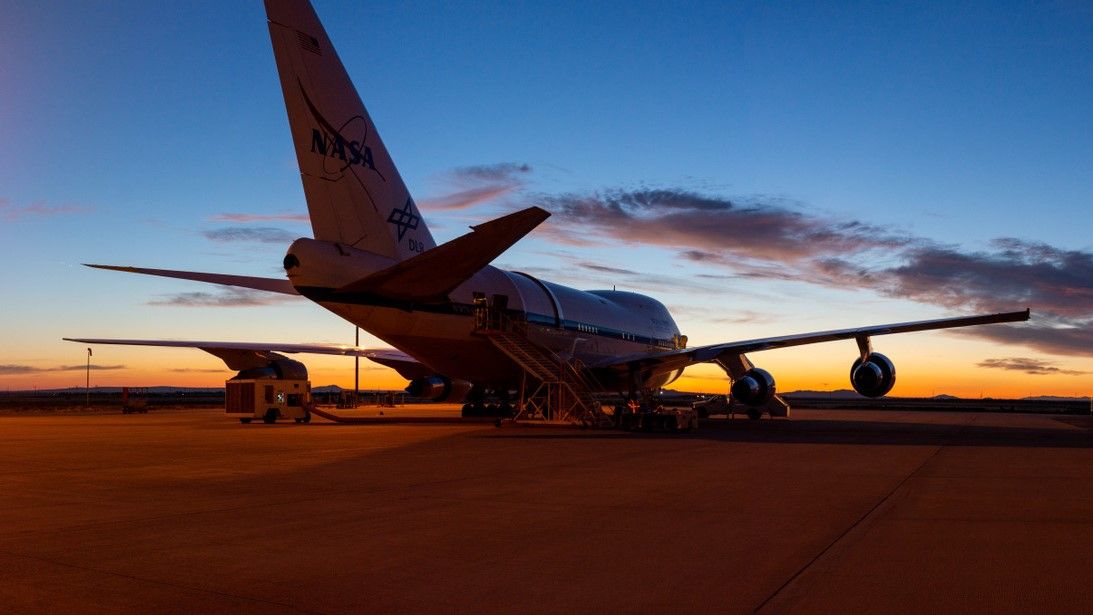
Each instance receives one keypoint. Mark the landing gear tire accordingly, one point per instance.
(754, 414)
(468, 411)
(270, 416)
(245, 421)
(491, 410)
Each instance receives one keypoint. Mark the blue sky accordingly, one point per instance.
(132, 128)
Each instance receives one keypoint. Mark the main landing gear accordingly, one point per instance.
(476, 405)
(648, 414)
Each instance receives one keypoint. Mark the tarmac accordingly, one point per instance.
(832, 511)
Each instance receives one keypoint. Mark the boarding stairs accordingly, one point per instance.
(560, 390)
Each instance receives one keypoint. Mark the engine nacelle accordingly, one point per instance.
(754, 388)
(439, 388)
(875, 377)
(279, 367)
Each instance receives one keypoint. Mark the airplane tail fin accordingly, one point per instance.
(354, 193)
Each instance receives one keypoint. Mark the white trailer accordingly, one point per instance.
(268, 399)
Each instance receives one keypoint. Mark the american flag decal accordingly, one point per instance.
(309, 43)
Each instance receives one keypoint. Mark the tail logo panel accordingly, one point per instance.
(404, 219)
(332, 144)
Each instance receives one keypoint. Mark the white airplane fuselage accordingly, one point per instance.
(586, 325)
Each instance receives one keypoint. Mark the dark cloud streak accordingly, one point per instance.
(9, 212)
(240, 217)
(9, 370)
(227, 296)
(260, 234)
(1034, 367)
(607, 269)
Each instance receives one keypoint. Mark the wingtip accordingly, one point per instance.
(534, 212)
(532, 216)
(543, 212)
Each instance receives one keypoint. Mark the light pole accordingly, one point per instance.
(357, 370)
(87, 382)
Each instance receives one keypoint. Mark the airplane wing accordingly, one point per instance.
(272, 285)
(243, 355)
(678, 359)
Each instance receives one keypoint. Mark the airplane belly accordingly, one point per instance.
(446, 343)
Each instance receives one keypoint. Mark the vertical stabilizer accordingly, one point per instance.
(355, 195)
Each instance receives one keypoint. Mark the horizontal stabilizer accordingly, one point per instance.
(272, 285)
(430, 276)
(245, 355)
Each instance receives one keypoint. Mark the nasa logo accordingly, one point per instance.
(331, 142)
(336, 147)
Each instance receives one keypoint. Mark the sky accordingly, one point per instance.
(761, 168)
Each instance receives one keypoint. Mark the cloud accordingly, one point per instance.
(722, 317)
(260, 234)
(239, 217)
(466, 199)
(500, 172)
(770, 238)
(1034, 367)
(9, 370)
(606, 269)
(711, 228)
(227, 296)
(1014, 272)
(1076, 339)
(9, 212)
(471, 186)
(604, 277)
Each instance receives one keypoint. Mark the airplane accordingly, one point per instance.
(373, 262)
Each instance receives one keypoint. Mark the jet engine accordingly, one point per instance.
(439, 388)
(754, 388)
(279, 367)
(874, 377)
